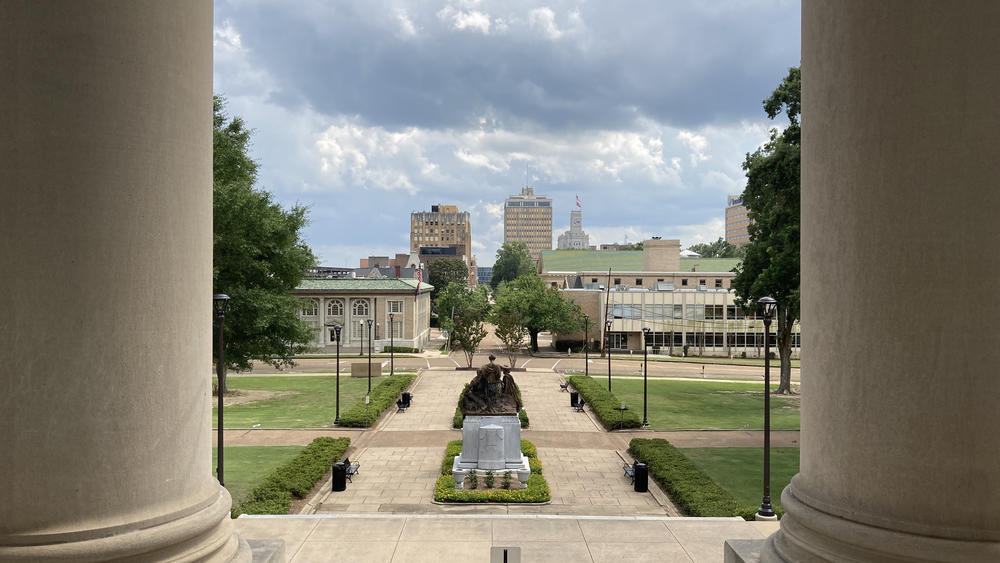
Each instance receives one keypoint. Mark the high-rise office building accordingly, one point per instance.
(736, 221)
(527, 218)
(444, 226)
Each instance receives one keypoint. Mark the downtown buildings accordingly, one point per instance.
(443, 232)
(527, 218)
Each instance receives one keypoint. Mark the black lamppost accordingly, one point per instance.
(336, 332)
(607, 348)
(586, 345)
(361, 350)
(220, 302)
(766, 512)
(392, 345)
(370, 322)
(645, 370)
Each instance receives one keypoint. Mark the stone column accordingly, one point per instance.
(106, 269)
(900, 449)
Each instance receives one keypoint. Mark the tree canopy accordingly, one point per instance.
(259, 256)
(718, 249)
(443, 271)
(540, 308)
(513, 261)
(771, 266)
(462, 312)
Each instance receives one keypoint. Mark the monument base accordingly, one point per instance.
(491, 443)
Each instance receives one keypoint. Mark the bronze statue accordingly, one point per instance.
(492, 391)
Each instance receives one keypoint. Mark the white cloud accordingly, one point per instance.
(406, 27)
(473, 20)
(226, 38)
(697, 143)
(544, 20)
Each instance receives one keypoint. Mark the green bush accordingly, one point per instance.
(537, 491)
(383, 396)
(297, 477)
(604, 404)
(400, 350)
(691, 489)
(575, 345)
(522, 415)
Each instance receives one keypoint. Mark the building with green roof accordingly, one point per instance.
(399, 310)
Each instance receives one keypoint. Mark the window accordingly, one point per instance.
(360, 308)
(593, 280)
(684, 282)
(618, 340)
(695, 312)
(397, 329)
(714, 312)
(701, 282)
(638, 281)
(633, 312)
(659, 279)
(357, 330)
(310, 308)
(618, 281)
(395, 306)
(718, 284)
(335, 308)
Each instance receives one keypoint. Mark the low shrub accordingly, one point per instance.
(575, 345)
(273, 495)
(383, 396)
(537, 491)
(691, 489)
(400, 350)
(604, 404)
(522, 415)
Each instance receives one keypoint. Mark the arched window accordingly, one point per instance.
(310, 308)
(360, 308)
(334, 307)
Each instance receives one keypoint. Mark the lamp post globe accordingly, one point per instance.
(645, 371)
(336, 332)
(769, 307)
(220, 304)
(607, 348)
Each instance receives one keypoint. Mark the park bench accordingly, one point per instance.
(579, 406)
(564, 386)
(403, 402)
(629, 471)
(350, 469)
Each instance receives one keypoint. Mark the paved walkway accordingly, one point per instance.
(378, 538)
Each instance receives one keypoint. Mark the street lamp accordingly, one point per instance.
(336, 332)
(220, 302)
(766, 512)
(586, 345)
(607, 348)
(645, 371)
(370, 322)
(392, 352)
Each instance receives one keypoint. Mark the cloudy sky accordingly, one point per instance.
(365, 111)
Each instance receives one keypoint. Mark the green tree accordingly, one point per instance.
(771, 266)
(443, 271)
(718, 249)
(462, 312)
(509, 325)
(513, 261)
(259, 256)
(541, 308)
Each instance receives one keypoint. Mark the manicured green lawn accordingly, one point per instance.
(245, 466)
(691, 405)
(311, 405)
(741, 470)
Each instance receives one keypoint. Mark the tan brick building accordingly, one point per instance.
(444, 226)
(736, 221)
(527, 218)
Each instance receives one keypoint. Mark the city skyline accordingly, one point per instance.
(367, 115)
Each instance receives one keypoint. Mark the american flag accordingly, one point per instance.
(578, 202)
(420, 278)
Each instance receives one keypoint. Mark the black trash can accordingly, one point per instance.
(641, 477)
(406, 397)
(574, 398)
(339, 477)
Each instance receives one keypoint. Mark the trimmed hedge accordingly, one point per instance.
(456, 421)
(537, 491)
(400, 350)
(296, 477)
(604, 404)
(691, 489)
(383, 396)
